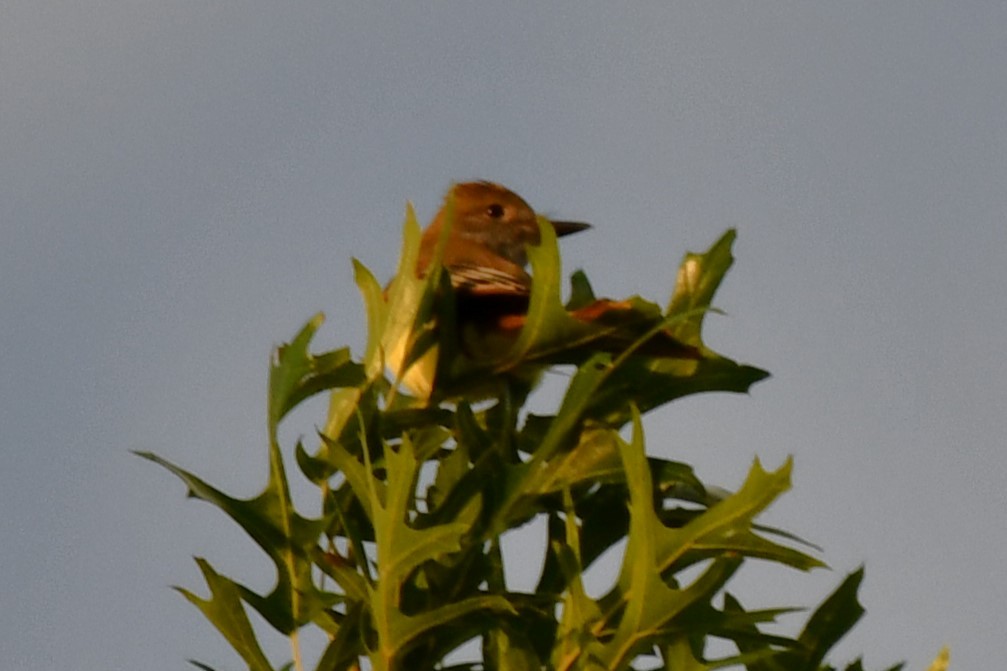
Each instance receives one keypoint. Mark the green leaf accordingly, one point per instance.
(523, 483)
(347, 646)
(759, 650)
(580, 613)
(377, 316)
(405, 630)
(225, 611)
(678, 655)
(410, 336)
(647, 605)
(508, 649)
(827, 625)
(581, 293)
(365, 485)
(548, 326)
(290, 540)
(699, 277)
(566, 425)
(653, 382)
(402, 549)
(295, 374)
(722, 533)
(595, 459)
(727, 526)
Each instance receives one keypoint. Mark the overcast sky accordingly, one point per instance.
(183, 184)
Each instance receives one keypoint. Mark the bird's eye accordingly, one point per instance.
(495, 211)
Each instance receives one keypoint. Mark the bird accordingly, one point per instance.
(486, 251)
(485, 255)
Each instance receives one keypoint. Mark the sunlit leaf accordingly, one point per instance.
(699, 277)
(289, 539)
(296, 374)
(225, 611)
(942, 660)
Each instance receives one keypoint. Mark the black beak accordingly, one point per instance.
(568, 227)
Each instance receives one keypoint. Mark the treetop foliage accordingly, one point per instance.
(403, 564)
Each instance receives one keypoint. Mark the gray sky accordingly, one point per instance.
(183, 184)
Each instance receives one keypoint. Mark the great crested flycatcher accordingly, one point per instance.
(485, 255)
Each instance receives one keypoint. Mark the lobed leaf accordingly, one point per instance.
(224, 610)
